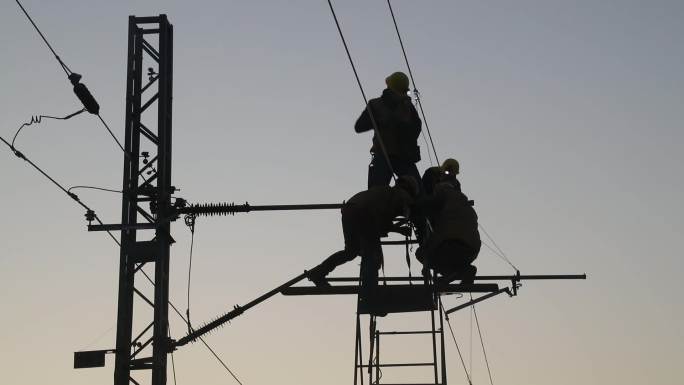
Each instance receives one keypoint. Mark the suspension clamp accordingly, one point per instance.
(90, 216)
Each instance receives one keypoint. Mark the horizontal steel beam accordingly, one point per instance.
(119, 227)
(354, 289)
(396, 365)
(477, 278)
(210, 209)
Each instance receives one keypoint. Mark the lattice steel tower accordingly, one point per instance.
(146, 181)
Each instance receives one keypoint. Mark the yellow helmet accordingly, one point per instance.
(398, 82)
(451, 167)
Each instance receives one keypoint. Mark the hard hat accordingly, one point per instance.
(410, 184)
(450, 166)
(398, 82)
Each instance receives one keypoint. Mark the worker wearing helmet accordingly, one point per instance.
(398, 128)
(455, 241)
(366, 217)
(450, 168)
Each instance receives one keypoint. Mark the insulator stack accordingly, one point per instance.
(211, 209)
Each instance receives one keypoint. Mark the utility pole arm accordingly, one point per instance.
(211, 209)
(238, 310)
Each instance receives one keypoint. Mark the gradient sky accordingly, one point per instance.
(566, 117)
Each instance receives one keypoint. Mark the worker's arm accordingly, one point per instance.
(363, 123)
(416, 123)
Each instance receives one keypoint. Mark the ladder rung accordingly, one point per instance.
(411, 332)
(396, 365)
(415, 383)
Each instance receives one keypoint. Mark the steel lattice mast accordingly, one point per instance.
(148, 182)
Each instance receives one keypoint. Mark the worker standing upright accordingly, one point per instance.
(398, 127)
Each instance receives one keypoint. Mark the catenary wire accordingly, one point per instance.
(432, 164)
(67, 71)
(95, 188)
(363, 94)
(415, 88)
(470, 353)
(173, 362)
(190, 222)
(500, 253)
(38, 118)
(484, 352)
(113, 136)
(75, 198)
(427, 127)
(493, 250)
(446, 316)
(61, 63)
(173, 366)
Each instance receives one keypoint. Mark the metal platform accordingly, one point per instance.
(393, 289)
(400, 298)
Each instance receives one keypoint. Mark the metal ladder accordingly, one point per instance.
(373, 367)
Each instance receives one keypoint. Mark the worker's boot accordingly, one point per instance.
(466, 275)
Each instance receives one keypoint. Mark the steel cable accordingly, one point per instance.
(500, 252)
(446, 316)
(61, 63)
(75, 197)
(415, 88)
(38, 118)
(484, 352)
(363, 94)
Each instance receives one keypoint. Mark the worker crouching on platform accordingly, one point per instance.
(398, 126)
(454, 242)
(366, 217)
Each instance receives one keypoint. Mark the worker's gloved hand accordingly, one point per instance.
(403, 230)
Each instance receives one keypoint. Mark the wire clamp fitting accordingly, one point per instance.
(90, 216)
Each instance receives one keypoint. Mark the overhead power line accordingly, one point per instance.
(80, 89)
(363, 94)
(484, 352)
(61, 63)
(453, 336)
(90, 214)
(415, 88)
(38, 118)
(91, 105)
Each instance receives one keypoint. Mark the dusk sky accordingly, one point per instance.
(566, 117)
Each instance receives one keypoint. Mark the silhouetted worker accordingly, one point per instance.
(450, 168)
(398, 125)
(455, 241)
(431, 177)
(366, 217)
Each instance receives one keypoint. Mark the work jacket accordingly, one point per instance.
(381, 204)
(452, 217)
(398, 125)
